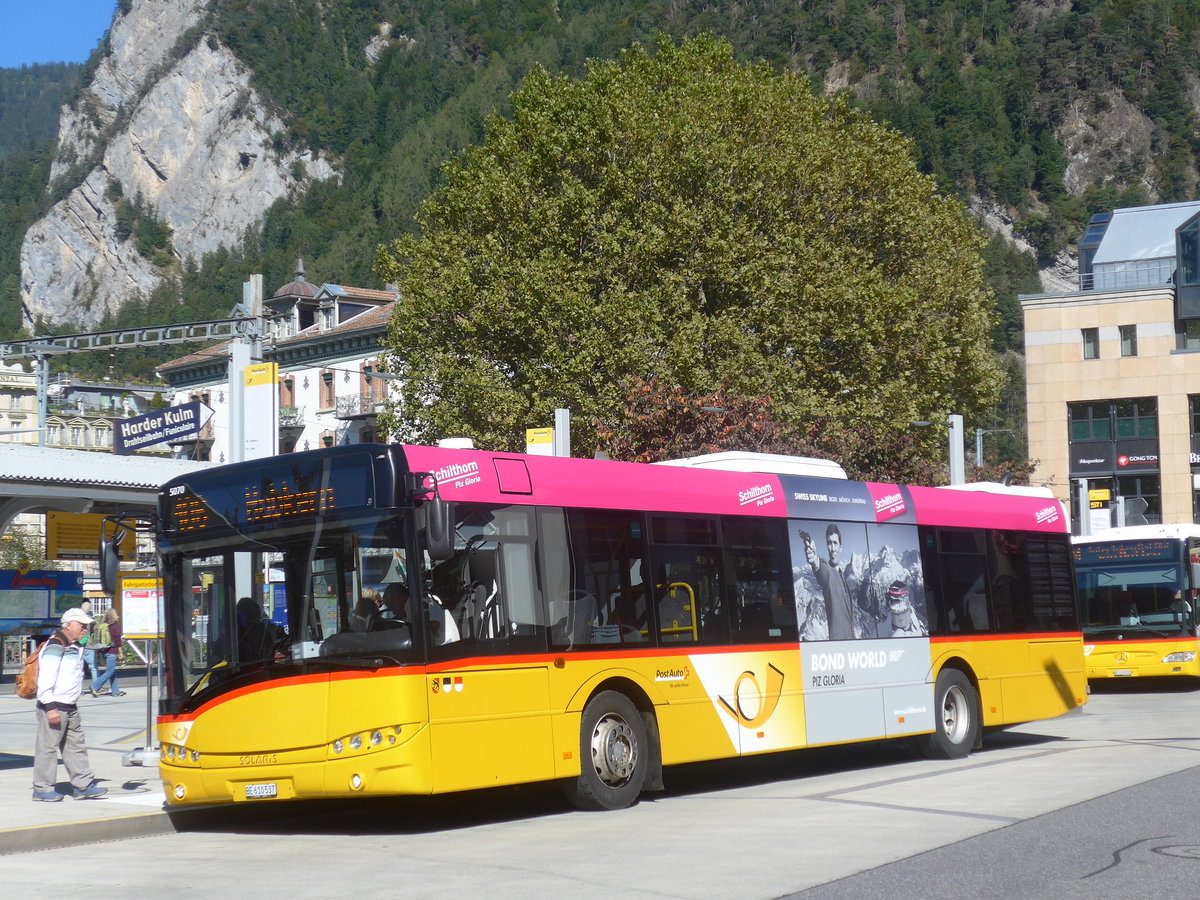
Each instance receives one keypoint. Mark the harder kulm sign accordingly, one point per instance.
(173, 423)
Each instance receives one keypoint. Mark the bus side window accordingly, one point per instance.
(482, 607)
(688, 585)
(964, 581)
(1051, 588)
(756, 552)
(591, 562)
(931, 571)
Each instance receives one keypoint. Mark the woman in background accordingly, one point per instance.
(111, 655)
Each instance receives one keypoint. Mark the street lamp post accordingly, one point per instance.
(958, 463)
(979, 433)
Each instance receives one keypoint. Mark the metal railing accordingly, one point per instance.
(358, 406)
(1132, 274)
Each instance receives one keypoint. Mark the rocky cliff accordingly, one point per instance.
(169, 120)
(171, 124)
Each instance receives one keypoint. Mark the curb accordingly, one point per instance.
(114, 828)
(68, 834)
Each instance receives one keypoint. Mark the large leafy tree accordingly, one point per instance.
(662, 422)
(680, 217)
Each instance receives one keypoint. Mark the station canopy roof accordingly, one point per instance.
(44, 479)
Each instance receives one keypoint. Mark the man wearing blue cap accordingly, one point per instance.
(59, 728)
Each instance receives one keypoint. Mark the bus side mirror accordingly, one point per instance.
(110, 563)
(439, 528)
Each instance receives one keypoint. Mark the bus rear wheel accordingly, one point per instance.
(956, 715)
(613, 754)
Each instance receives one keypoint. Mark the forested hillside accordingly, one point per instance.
(1044, 111)
(30, 98)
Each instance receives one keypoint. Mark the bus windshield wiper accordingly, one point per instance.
(1106, 630)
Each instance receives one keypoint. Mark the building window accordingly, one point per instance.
(1128, 340)
(1091, 343)
(1090, 421)
(328, 392)
(1137, 418)
(1189, 253)
(1142, 499)
(372, 384)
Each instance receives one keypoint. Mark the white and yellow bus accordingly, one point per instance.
(1137, 590)
(447, 619)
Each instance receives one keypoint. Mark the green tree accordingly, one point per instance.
(682, 217)
(18, 548)
(660, 421)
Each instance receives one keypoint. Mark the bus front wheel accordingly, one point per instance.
(613, 754)
(956, 715)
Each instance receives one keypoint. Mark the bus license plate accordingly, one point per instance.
(261, 791)
(1122, 673)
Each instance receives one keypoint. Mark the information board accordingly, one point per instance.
(77, 536)
(141, 605)
(31, 598)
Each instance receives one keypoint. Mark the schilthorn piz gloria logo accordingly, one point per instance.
(759, 496)
(891, 505)
(461, 474)
(1048, 514)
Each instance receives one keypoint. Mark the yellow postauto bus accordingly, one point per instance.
(1137, 589)
(390, 620)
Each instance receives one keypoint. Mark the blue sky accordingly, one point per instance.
(36, 31)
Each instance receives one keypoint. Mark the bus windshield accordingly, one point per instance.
(1132, 587)
(333, 597)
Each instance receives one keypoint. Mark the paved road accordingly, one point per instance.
(1100, 803)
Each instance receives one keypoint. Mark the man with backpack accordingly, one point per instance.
(59, 727)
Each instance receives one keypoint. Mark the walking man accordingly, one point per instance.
(59, 728)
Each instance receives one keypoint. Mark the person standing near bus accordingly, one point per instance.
(839, 608)
(90, 672)
(111, 655)
(59, 727)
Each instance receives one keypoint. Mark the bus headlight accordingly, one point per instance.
(1180, 656)
(366, 741)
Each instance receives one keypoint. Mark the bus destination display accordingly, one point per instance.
(284, 495)
(1118, 551)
